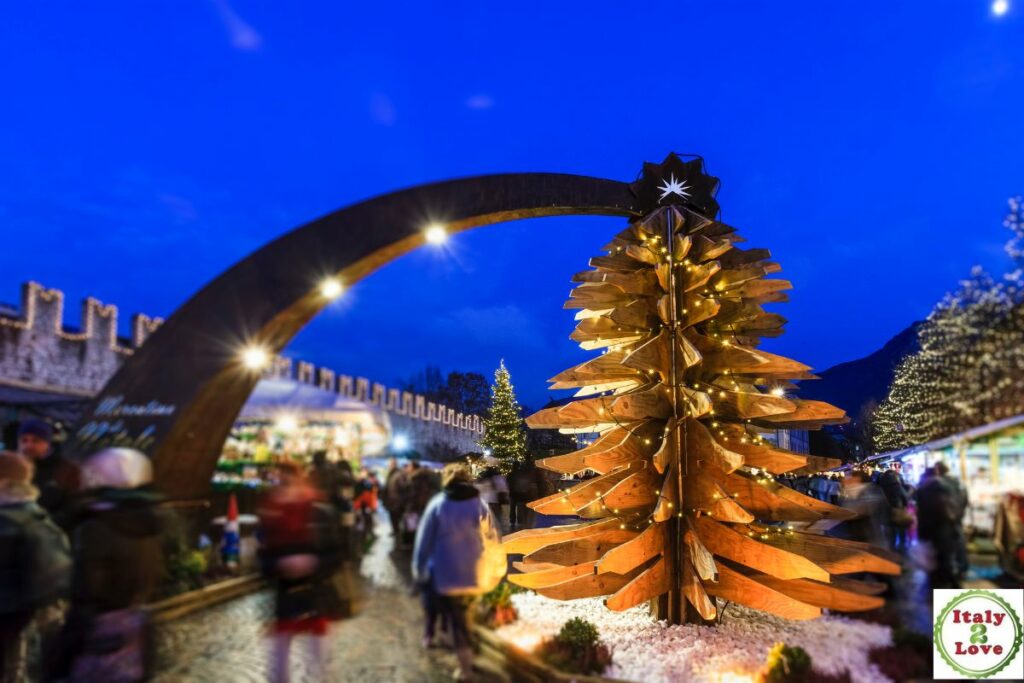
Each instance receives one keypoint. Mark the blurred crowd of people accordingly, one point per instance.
(80, 553)
(927, 522)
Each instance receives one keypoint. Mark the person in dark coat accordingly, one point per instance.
(898, 497)
(937, 524)
(526, 483)
(118, 566)
(396, 497)
(35, 563)
(56, 477)
(962, 503)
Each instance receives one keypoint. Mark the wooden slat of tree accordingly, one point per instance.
(636, 491)
(727, 278)
(826, 510)
(639, 314)
(737, 311)
(817, 463)
(651, 401)
(738, 547)
(838, 557)
(769, 298)
(681, 247)
(760, 287)
(740, 257)
(760, 455)
(758, 500)
(700, 557)
(651, 583)
(587, 586)
(621, 386)
(568, 501)
(808, 411)
(701, 444)
(618, 263)
(633, 553)
(821, 594)
(526, 567)
(588, 294)
(620, 449)
(641, 283)
(607, 366)
(696, 276)
(655, 355)
(733, 586)
(668, 501)
(709, 248)
(857, 586)
(747, 405)
(694, 591)
(645, 253)
(597, 332)
(666, 451)
(526, 541)
(707, 495)
(694, 308)
(586, 549)
(550, 577)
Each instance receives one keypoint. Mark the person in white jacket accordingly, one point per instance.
(456, 558)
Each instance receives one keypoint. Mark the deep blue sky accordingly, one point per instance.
(146, 146)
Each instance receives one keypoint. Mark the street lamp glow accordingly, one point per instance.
(255, 357)
(999, 7)
(400, 443)
(435, 234)
(286, 424)
(331, 288)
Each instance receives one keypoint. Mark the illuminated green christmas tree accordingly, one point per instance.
(505, 437)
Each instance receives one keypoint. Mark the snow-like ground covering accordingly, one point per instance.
(650, 651)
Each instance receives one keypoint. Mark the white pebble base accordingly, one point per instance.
(650, 651)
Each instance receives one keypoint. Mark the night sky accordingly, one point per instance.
(146, 146)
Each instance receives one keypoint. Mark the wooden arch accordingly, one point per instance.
(178, 395)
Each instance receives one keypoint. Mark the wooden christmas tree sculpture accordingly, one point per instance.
(685, 507)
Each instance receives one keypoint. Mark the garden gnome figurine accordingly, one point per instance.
(230, 542)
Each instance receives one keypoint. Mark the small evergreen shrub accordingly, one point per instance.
(577, 649)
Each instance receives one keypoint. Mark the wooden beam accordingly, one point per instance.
(739, 547)
(736, 587)
(651, 583)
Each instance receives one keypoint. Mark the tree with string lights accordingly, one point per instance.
(505, 435)
(686, 508)
(967, 371)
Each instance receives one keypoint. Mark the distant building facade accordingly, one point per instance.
(48, 368)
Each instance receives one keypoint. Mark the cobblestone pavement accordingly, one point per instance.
(382, 644)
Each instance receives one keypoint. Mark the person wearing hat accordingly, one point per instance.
(118, 565)
(35, 563)
(55, 476)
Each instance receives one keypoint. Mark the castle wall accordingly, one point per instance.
(38, 352)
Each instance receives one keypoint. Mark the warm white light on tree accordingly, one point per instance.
(331, 288)
(435, 234)
(255, 357)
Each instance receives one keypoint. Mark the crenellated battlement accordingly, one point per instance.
(39, 351)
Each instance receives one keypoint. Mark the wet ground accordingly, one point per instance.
(382, 644)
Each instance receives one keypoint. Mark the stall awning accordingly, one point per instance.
(53, 405)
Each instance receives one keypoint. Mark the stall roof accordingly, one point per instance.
(53, 405)
(272, 397)
(968, 435)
